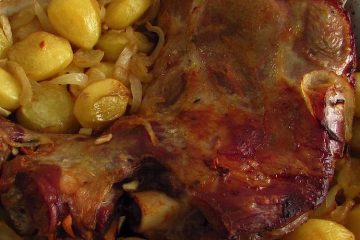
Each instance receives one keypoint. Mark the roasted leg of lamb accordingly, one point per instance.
(251, 107)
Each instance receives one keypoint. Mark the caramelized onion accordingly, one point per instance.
(139, 66)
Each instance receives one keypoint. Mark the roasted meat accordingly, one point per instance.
(251, 107)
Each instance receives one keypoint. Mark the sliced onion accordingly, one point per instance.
(19, 73)
(6, 28)
(139, 67)
(136, 91)
(160, 44)
(42, 16)
(121, 68)
(80, 79)
(87, 58)
(4, 112)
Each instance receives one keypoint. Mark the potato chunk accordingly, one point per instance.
(353, 221)
(112, 43)
(100, 71)
(42, 55)
(76, 20)
(51, 110)
(123, 13)
(100, 103)
(320, 230)
(106, 68)
(9, 92)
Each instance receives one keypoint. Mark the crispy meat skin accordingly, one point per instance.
(229, 115)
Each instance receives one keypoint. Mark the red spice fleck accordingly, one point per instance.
(42, 44)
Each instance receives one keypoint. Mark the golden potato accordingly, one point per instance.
(112, 43)
(355, 141)
(357, 95)
(42, 55)
(100, 103)
(51, 110)
(123, 13)
(106, 68)
(320, 230)
(100, 71)
(4, 44)
(76, 20)
(353, 221)
(10, 91)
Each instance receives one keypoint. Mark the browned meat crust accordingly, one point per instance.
(236, 126)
